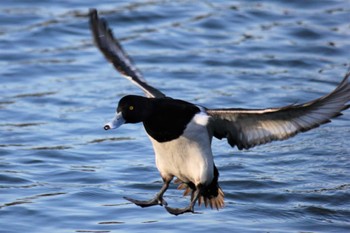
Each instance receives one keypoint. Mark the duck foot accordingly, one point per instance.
(190, 207)
(152, 202)
(157, 200)
(178, 211)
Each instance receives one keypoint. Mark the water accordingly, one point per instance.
(61, 172)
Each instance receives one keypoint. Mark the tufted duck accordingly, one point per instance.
(181, 132)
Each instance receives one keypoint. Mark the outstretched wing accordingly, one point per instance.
(114, 53)
(246, 128)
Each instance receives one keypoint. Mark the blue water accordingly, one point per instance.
(61, 172)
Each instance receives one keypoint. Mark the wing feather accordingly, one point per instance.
(115, 54)
(246, 128)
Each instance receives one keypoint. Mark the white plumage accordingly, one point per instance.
(189, 157)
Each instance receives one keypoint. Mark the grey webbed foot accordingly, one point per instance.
(190, 208)
(178, 211)
(152, 202)
(157, 200)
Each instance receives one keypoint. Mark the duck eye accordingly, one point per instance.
(131, 107)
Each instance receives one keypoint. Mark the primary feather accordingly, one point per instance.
(246, 128)
(114, 53)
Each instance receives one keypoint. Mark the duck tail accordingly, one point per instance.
(211, 195)
(215, 201)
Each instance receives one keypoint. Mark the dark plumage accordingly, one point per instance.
(181, 132)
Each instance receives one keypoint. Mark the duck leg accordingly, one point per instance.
(189, 208)
(157, 200)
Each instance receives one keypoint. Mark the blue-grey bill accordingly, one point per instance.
(117, 121)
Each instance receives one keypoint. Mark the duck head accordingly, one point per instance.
(131, 109)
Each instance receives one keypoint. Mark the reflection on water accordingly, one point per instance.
(61, 172)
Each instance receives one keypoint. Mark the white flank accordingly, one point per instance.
(201, 118)
(188, 157)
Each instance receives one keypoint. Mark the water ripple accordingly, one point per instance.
(61, 172)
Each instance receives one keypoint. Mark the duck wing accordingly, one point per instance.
(115, 54)
(246, 128)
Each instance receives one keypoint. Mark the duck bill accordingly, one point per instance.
(116, 122)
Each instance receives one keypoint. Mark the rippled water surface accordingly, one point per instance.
(61, 172)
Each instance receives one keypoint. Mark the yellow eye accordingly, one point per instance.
(131, 107)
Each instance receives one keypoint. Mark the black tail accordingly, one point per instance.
(211, 195)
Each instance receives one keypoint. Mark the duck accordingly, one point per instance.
(182, 132)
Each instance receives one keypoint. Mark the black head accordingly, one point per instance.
(134, 109)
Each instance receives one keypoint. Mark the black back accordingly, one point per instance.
(169, 118)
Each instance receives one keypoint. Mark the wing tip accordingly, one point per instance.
(93, 11)
(112, 50)
(96, 24)
(93, 16)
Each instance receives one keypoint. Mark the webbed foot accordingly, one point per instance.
(152, 202)
(178, 211)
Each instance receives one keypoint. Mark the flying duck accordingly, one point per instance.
(182, 132)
